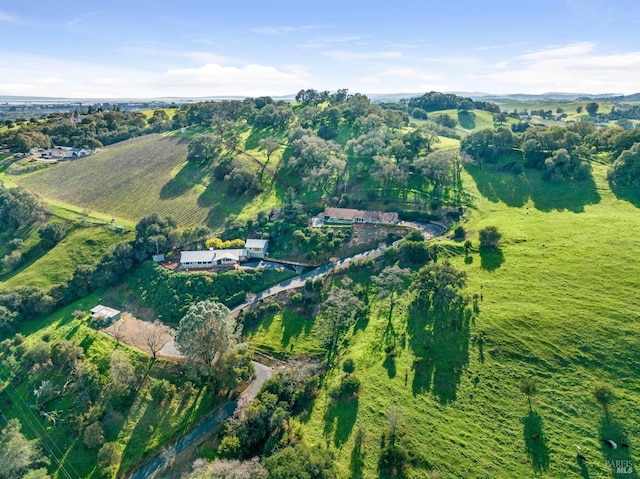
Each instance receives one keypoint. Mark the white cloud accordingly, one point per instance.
(107, 81)
(199, 56)
(401, 80)
(351, 56)
(9, 18)
(81, 19)
(575, 67)
(565, 51)
(22, 75)
(215, 79)
(273, 30)
(330, 40)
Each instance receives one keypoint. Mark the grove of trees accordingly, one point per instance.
(205, 333)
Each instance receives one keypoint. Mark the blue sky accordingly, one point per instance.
(157, 48)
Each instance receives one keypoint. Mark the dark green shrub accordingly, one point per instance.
(393, 462)
(349, 386)
(348, 366)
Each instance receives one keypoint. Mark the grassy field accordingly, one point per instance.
(149, 112)
(569, 107)
(142, 176)
(286, 333)
(139, 428)
(558, 303)
(446, 143)
(479, 120)
(47, 268)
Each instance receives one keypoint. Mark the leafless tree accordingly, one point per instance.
(155, 337)
(394, 416)
(117, 331)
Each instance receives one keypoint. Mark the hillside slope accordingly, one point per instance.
(558, 304)
(138, 177)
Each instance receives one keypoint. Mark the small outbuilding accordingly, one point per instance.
(109, 315)
(256, 248)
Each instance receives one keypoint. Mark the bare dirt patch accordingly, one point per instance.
(138, 333)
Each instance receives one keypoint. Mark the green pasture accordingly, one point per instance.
(82, 245)
(558, 302)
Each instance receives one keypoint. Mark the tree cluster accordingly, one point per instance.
(625, 170)
(263, 427)
(92, 130)
(205, 333)
(153, 234)
(434, 101)
(439, 284)
(171, 294)
(19, 208)
(18, 455)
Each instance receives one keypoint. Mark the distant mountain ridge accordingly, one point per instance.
(378, 97)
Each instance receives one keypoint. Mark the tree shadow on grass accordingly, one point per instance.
(156, 415)
(491, 260)
(87, 342)
(188, 176)
(220, 205)
(440, 341)
(535, 441)
(516, 190)
(632, 195)
(293, 326)
(339, 419)
(584, 468)
(253, 140)
(356, 465)
(618, 459)
(390, 365)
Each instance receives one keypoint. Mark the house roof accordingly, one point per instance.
(341, 212)
(104, 311)
(230, 256)
(256, 243)
(205, 256)
(389, 217)
(211, 255)
(368, 216)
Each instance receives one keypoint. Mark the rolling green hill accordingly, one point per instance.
(558, 303)
(80, 246)
(138, 177)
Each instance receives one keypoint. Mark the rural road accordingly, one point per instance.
(263, 373)
(155, 465)
(430, 230)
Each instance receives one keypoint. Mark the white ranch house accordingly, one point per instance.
(213, 258)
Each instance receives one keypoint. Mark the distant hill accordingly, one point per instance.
(621, 98)
(376, 97)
